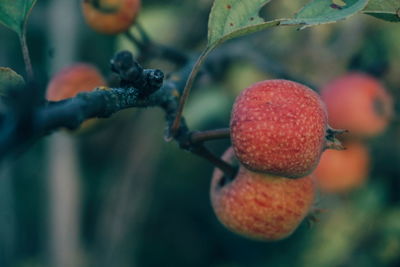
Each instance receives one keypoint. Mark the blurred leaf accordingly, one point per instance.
(337, 236)
(14, 14)
(384, 9)
(9, 81)
(339, 2)
(325, 11)
(234, 18)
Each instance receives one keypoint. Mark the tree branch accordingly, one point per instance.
(138, 88)
(149, 91)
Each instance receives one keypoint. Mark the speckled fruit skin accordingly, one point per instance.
(278, 127)
(344, 170)
(260, 206)
(359, 103)
(72, 80)
(115, 22)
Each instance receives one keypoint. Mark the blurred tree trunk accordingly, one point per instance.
(63, 173)
(125, 208)
(65, 204)
(7, 215)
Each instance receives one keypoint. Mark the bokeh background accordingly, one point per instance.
(120, 195)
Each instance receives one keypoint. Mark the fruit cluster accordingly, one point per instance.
(279, 130)
(359, 103)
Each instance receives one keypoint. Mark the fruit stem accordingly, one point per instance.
(199, 137)
(26, 56)
(331, 141)
(186, 91)
(228, 170)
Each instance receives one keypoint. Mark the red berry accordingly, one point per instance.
(260, 206)
(72, 80)
(343, 171)
(111, 21)
(279, 127)
(359, 103)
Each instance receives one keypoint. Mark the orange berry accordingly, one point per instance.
(72, 80)
(341, 171)
(359, 103)
(119, 17)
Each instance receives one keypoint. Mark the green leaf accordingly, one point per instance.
(388, 10)
(234, 18)
(325, 11)
(14, 14)
(9, 82)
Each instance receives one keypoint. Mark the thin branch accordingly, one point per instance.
(26, 56)
(131, 37)
(228, 170)
(160, 50)
(200, 137)
(186, 91)
(145, 37)
(151, 49)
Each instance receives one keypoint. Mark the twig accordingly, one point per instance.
(199, 137)
(186, 91)
(149, 49)
(145, 37)
(131, 37)
(26, 56)
(228, 170)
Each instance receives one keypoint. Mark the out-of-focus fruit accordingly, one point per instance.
(111, 16)
(359, 103)
(343, 171)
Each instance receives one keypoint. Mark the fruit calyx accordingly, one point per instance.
(331, 141)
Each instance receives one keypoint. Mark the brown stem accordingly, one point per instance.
(152, 49)
(186, 91)
(134, 40)
(199, 137)
(143, 33)
(228, 170)
(27, 59)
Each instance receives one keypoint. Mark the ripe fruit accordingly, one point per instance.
(359, 103)
(260, 206)
(342, 171)
(279, 127)
(112, 16)
(72, 80)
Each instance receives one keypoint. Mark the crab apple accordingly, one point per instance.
(119, 17)
(359, 103)
(72, 80)
(279, 127)
(343, 171)
(260, 206)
